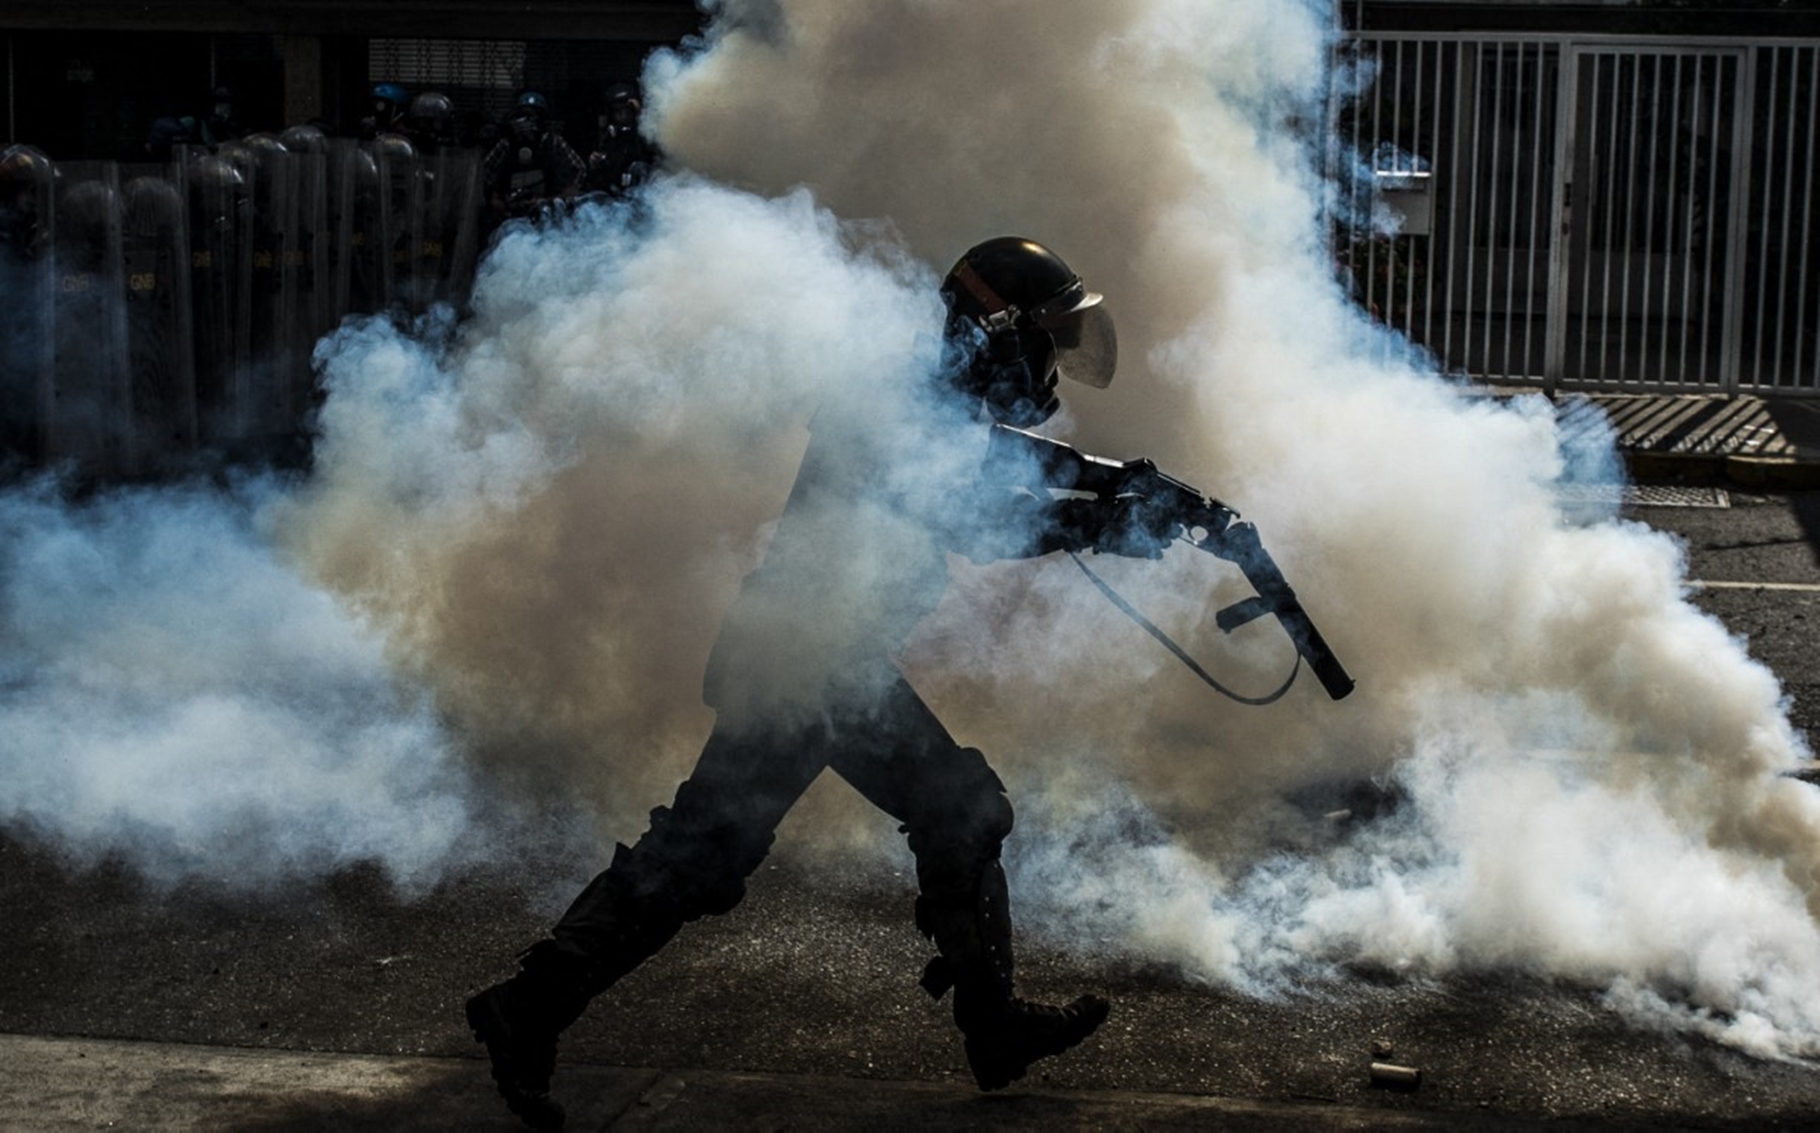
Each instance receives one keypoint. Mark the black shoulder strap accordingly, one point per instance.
(1181, 654)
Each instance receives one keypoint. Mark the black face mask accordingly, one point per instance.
(1014, 372)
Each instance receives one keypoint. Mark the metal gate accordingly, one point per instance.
(1589, 214)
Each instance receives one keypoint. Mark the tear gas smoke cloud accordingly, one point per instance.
(1521, 669)
(546, 510)
(172, 693)
(554, 509)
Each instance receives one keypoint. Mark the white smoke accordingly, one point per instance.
(170, 692)
(534, 520)
(1588, 766)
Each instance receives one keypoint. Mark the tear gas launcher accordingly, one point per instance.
(1144, 509)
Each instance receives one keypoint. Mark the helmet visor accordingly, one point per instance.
(1086, 346)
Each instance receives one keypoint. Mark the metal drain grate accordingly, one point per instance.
(1665, 495)
(1643, 495)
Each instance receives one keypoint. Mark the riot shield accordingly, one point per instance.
(27, 274)
(311, 286)
(220, 216)
(89, 422)
(337, 233)
(271, 383)
(401, 186)
(451, 244)
(315, 294)
(369, 264)
(160, 340)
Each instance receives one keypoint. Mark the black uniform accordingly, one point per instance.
(622, 158)
(623, 161)
(523, 169)
(221, 126)
(801, 679)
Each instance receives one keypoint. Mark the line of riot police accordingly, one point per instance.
(157, 316)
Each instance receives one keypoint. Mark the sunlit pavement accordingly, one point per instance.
(1748, 442)
(55, 1084)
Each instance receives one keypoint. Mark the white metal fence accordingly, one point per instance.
(1587, 213)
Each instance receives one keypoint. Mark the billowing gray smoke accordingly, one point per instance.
(171, 692)
(544, 512)
(1521, 675)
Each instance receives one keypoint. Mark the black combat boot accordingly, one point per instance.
(519, 1021)
(608, 931)
(1004, 1034)
(521, 1043)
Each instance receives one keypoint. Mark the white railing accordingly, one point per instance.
(1588, 213)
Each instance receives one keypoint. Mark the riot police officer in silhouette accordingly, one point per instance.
(221, 126)
(1018, 318)
(531, 166)
(389, 104)
(27, 183)
(430, 123)
(622, 158)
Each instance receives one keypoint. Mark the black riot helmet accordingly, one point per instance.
(1027, 319)
(622, 106)
(431, 121)
(304, 139)
(25, 170)
(27, 179)
(434, 110)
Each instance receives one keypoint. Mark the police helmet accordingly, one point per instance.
(392, 94)
(304, 139)
(1027, 318)
(217, 195)
(262, 145)
(23, 166)
(169, 130)
(26, 181)
(393, 149)
(526, 118)
(214, 174)
(622, 105)
(432, 107)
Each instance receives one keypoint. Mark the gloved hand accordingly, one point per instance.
(1132, 526)
(1135, 527)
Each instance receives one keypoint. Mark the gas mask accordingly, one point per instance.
(523, 128)
(1013, 370)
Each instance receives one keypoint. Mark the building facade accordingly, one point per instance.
(84, 81)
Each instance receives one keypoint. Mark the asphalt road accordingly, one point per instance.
(1759, 557)
(337, 1006)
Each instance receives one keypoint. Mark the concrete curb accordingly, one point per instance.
(1764, 473)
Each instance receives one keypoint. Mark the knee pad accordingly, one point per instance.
(965, 798)
(962, 819)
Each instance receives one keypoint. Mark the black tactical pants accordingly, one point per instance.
(698, 852)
